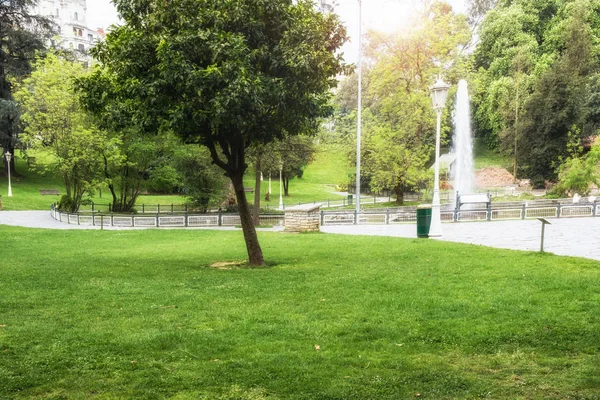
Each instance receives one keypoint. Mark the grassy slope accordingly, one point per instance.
(484, 157)
(139, 314)
(318, 182)
(26, 186)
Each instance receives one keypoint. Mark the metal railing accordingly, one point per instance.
(561, 208)
(158, 220)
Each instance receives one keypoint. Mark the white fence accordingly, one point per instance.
(160, 220)
(499, 211)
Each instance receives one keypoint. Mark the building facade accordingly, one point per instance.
(73, 31)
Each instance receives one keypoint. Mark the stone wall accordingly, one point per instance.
(303, 218)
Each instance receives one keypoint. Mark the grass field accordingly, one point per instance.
(329, 168)
(142, 314)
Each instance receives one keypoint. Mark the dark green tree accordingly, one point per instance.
(22, 34)
(558, 102)
(224, 74)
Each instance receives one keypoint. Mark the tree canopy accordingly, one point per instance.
(22, 34)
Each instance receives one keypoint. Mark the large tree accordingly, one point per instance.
(54, 122)
(22, 34)
(224, 74)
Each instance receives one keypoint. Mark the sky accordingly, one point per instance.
(383, 15)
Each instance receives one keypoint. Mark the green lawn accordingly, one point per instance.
(26, 188)
(141, 314)
(329, 169)
(484, 157)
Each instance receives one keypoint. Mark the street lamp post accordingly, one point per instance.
(359, 110)
(8, 158)
(439, 93)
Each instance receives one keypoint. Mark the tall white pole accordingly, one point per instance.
(8, 158)
(359, 111)
(280, 188)
(435, 229)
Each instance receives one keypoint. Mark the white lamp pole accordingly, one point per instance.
(439, 93)
(8, 158)
(280, 187)
(359, 111)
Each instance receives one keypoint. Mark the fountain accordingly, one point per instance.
(461, 172)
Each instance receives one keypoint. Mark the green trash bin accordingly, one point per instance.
(423, 220)
(349, 199)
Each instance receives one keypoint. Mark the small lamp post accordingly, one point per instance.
(280, 186)
(8, 158)
(439, 93)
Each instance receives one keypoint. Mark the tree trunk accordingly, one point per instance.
(256, 209)
(255, 255)
(399, 195)
(286, 186)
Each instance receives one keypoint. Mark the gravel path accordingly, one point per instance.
(566, 236)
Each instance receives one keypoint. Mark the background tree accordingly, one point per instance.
(559, 98)
(203, 182)
(127, 159)
(224, 74)
(292, 154)
(55, 123)
(22, 34)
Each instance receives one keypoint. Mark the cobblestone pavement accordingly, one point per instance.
(566, 236)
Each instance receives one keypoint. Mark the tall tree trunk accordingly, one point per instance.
(286, 186)
(256, 209)
(255, 255)
(399, 195)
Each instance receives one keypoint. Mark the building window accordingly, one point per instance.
(81, 48)
(80, 33)
(91, 38)
(75, 31)
(57, 14)
(76, 17)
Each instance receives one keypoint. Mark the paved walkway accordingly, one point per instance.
(566, 236)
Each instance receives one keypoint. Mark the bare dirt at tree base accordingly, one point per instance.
(492, 177)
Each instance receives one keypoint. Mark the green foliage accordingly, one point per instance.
(203, 182)
(22, 34)
(578, 172)
(128, 158)
(536, 62)
(55, 123)
(150, 318)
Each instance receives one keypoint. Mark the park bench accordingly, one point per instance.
(249, 190)
(49, 192)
